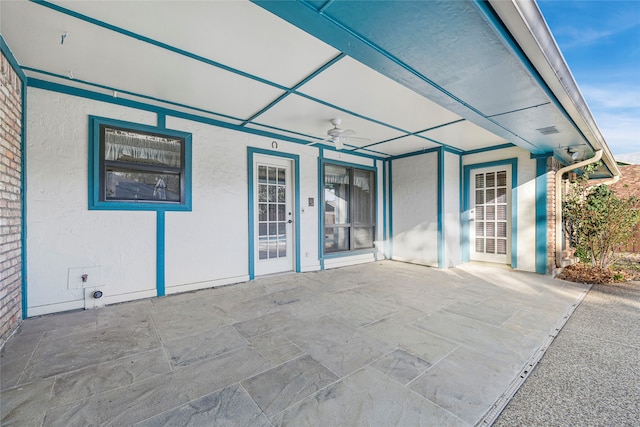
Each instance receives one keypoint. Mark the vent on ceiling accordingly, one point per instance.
(549, 130)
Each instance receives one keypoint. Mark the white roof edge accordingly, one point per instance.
(527, 25)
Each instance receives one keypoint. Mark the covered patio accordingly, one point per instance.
(379, 344)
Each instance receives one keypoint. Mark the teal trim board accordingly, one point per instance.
(320, 208)
(160, 253)
(513, 162)
(541, 214)
(251, 152)
(390, 209)
(441, 172)
(384, 208)
(94, 168)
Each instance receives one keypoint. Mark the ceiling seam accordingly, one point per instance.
(417, 134)
(296, 86)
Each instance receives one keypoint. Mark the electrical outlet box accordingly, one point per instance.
(93, 277)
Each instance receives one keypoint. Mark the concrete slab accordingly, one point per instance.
(376, 344)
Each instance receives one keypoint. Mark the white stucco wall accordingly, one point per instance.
(208, 246)
(62, 233)
(526, 200)
(415, 209)
(451, 220)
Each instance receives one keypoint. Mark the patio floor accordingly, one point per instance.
(377, 344)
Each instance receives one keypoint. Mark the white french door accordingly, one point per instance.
(491, 215)
(273, 217)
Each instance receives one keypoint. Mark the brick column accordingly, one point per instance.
(10, 199)
(552, 167)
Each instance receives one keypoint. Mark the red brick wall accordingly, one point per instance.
(10, 199)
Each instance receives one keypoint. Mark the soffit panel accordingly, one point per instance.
(464, 135)
(449, 42)
(546, 127)
(407, 144)
(238, 34)
(358, 88)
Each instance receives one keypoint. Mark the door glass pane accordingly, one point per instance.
(262, 249)
(501, 246)
(281, 176)
(272, 193)
(262, 230)
(491, 180)
(281, 193)
(273, 229)
(282, 213)
(272, 213)
(491, 212)
(262, 174)
(490, 246)
(271, 179)
(262, 193)
(502, 178)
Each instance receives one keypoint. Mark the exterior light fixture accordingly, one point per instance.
(574, 154)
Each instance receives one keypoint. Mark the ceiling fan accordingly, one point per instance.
(338, 135)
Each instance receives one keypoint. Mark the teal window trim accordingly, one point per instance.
(251, 152)
(322, 161)
(513, 162)
(94, 168)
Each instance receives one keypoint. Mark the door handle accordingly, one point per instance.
(289, 222)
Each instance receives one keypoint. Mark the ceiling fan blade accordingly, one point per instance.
(339, 144)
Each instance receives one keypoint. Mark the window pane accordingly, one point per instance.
(336, 239)
(141, 148)
(363, 237)
(148, 186)
(363, 202)
(336, 195)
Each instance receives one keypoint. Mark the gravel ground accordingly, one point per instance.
(590, 374)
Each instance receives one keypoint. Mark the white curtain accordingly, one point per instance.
(129, 146)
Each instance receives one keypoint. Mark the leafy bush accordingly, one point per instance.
(598, 222)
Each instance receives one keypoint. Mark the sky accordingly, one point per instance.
(600, 41)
